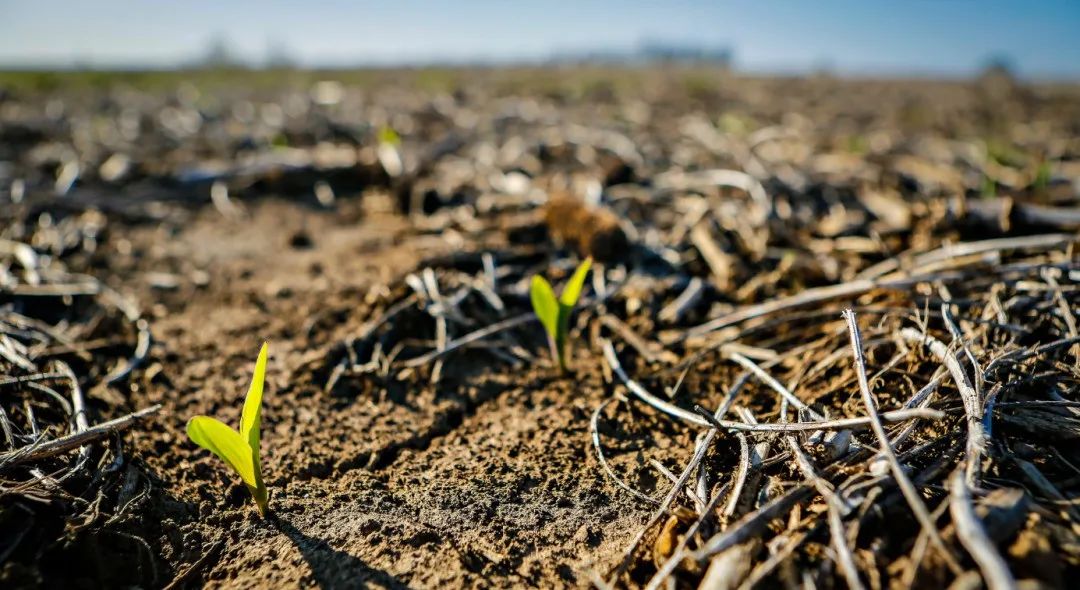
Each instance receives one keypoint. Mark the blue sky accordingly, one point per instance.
(862, 37)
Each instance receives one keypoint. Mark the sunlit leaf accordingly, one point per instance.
(572, 291)
(240, 450)
(544, 304)
(387, 135)
(251, 418)
(216, 437)
(555, 313)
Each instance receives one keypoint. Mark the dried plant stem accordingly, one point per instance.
(595, 435)
(469, 339)
(774, 384)
(749, 525)
(976, 438)
(835, 507)
(695, 418)
(66, 443)
(666, 503)
(863, 285)
(914, 500)
(680, 553)
(78, 408)
(973, 536)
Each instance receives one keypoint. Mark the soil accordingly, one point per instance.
(485, 477)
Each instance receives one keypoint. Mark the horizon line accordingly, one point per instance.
(463, 64)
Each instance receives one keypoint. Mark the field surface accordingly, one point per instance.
(722, 421)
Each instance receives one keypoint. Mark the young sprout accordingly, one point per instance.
(1042, 177)
(554, 313)
(239, 449)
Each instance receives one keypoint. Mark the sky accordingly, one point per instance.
(1041, 39)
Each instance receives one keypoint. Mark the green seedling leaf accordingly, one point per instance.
(240, 450)
(554, 313)
(544, 304)
(387, 135)
(251, 417)
(989, 188)
(1042, 177)
(572, 291)
(215, 436)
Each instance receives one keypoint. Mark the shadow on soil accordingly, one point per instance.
(333, 568)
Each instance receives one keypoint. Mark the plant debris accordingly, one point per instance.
(829, 340)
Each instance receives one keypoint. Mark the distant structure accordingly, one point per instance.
(278, 56)
(660, 51)
(218, 55)
(650, 51)
(998, 66)
(997, 79)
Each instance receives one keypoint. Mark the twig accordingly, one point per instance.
(749, 525)
(1021, 354)
(839, 541)
(834, 506)
(142, 348)
(758, 454)
(699, 420)
(78, 408)
(649, 350)
(643, 394)
(219, 196)
(766, 567)
(1066, 313)
(774, 384)
(675, 310)
(34, 377)
(699, 454)
(437, 303)
(838, 424)
(976, 439)
(674, 479)
(595, 435)
(666, 503)
(730, 567)
(915, 501)
(740, 475)
(66, 443)
(963, 249)
(718, 261)
(679, 180)
(1046, 486)
(680, 553)
(843, 290)
(469, 338)
(973, 536)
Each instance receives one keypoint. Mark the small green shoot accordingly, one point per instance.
(240, 450)
(989, 188)
(387, 135)
(554, 313)
(1042, 178)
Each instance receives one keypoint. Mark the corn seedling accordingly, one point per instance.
(554, 313)
(240, 450)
